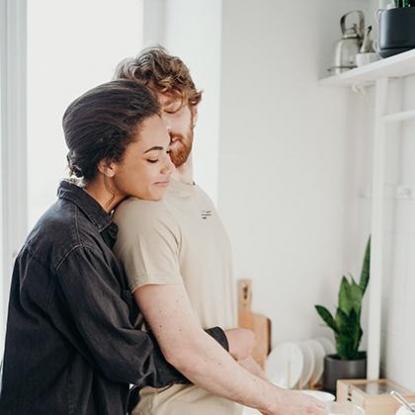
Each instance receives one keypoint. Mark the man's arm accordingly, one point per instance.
(149, 244)
(186, 346)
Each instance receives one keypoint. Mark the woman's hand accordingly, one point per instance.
(252, 366)
(241, 343)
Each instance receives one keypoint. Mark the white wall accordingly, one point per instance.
(285, 188)
(66, 58)
(399, 290)
(13, 73)
(398, 337)
(193, 32)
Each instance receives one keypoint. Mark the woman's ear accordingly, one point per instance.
(107, 168)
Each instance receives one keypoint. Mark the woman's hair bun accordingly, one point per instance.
(74, 169)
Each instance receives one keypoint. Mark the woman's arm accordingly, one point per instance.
(252, 366)
(100, 316)
(186, 346)
(241, 343)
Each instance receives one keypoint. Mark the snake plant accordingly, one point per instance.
(346, 323)
(404, 3)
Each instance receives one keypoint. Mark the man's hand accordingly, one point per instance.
(297, 403)
(241, 343)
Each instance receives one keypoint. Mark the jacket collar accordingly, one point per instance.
(89, 206)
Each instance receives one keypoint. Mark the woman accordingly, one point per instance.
(71, 346)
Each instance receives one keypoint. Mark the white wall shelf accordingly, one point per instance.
(379, 75)
(397, 66)
(399, 116)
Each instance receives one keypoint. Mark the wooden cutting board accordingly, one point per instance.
(258, 323)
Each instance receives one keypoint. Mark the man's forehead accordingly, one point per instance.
(167, 98)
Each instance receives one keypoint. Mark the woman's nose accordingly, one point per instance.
(168, 165)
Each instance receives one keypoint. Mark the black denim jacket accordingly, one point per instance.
(71, 345)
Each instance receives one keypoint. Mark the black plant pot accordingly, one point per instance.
(335, 368)
(396, 31)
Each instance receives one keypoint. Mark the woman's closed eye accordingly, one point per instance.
(155, 160)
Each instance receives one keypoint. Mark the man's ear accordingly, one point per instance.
(107, 168)
(194, 111)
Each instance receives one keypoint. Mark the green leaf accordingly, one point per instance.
(342, 322)
(356, 296)
(349, 334)
(344, 296)
(357, 331)
(344, 347)
(327, 317)
(344, 338)
(365, 274)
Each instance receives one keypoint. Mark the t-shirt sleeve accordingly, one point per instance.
(148, 243)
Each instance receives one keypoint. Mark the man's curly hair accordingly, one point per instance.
(162, 73)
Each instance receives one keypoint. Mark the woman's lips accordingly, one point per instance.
(163, 183)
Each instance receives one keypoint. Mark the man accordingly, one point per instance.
(177, 250)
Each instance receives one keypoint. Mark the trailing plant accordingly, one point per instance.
(346, 323)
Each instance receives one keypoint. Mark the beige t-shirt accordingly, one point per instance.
(180, 240)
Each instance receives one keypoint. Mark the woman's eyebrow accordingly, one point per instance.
(154, 148)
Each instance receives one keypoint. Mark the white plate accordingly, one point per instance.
(328, 345)
(308, 367)
(285, 365)
(403, 411)
(249, 411)
(319, 353)
(344, 408)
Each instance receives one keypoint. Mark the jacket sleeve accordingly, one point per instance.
(91, 295)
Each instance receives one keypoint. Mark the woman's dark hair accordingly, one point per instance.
(102, 122)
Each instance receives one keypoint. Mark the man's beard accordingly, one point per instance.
(180, 155)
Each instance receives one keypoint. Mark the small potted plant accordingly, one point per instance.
(397, 28)
(349, 362)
